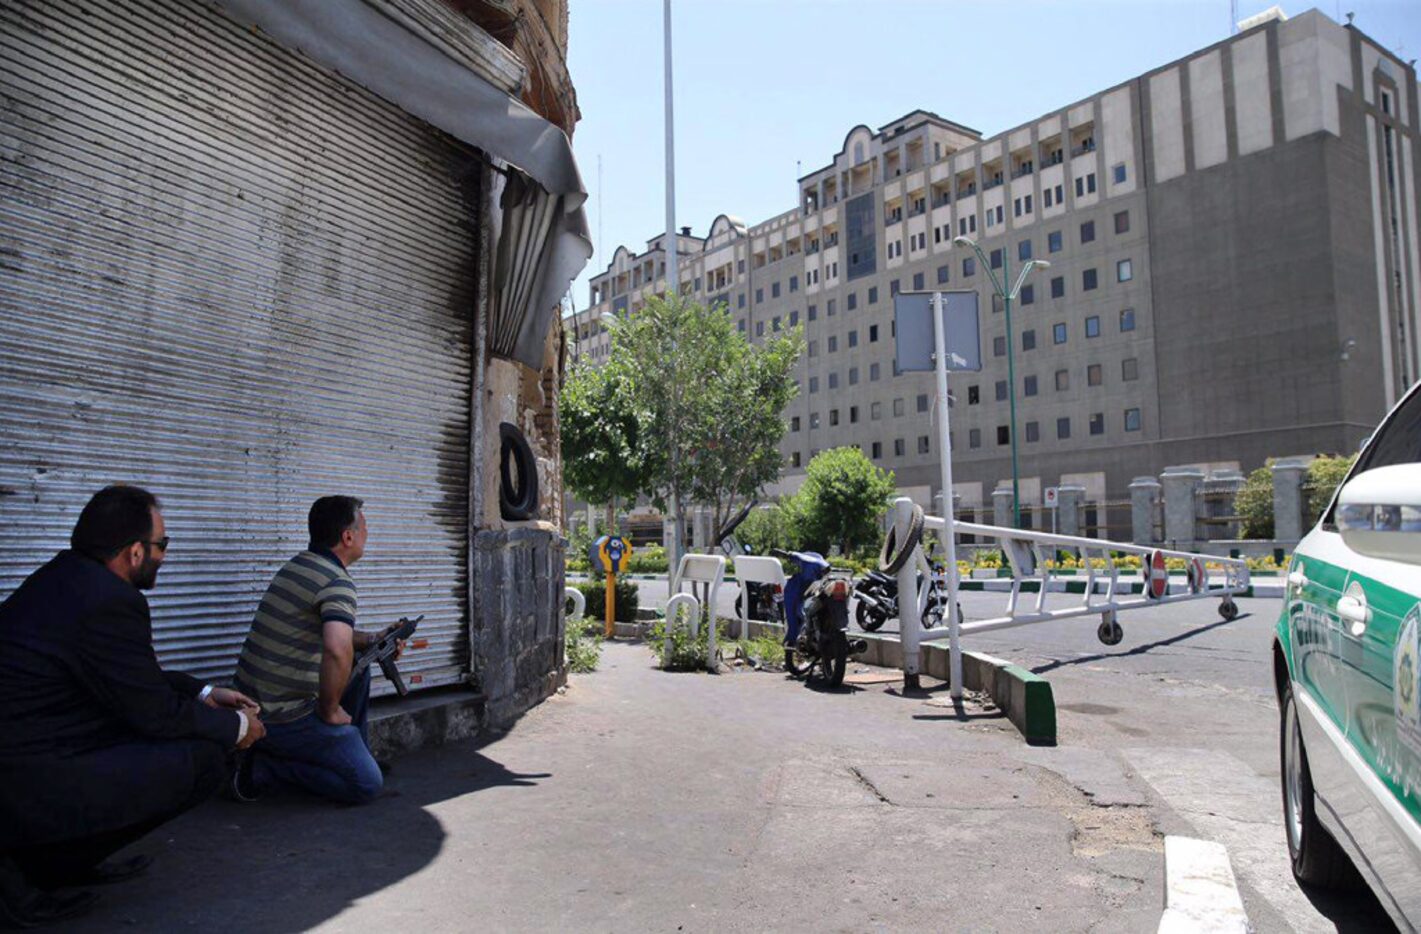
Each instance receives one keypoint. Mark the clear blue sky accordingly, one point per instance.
(761, 85)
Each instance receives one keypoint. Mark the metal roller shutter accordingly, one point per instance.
(242, 282)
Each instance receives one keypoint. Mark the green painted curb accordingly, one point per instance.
(1030, 704)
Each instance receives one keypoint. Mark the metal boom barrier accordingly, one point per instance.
(1032, 556)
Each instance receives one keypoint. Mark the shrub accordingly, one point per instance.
(647, 559)
(1254, 504)
(582, 644)
(627, 599)
(1324, 474)
(767, 527)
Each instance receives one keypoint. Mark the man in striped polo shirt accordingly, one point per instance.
(297, 664)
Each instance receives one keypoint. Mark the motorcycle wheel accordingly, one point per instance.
(868, 620)
(837, 660)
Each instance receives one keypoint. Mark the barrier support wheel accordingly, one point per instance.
(1109, 632)
(1228, 610)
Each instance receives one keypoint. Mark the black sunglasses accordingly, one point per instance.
(161, 544)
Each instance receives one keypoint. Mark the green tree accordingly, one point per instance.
(1254, 504)
(604, 457)
(767, 527)
(842, 501)
(708, 404)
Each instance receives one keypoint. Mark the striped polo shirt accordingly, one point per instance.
(280, 665)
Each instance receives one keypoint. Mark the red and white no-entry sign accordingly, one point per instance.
(1156, 576)
(1198, 577)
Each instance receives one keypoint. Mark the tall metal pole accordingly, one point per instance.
(673, 279)
(1011, 388)
(949, 532)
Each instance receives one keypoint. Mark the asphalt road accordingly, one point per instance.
(1185, 705)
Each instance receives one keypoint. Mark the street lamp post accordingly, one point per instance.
(1007, 294)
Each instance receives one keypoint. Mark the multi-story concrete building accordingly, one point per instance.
(1234, 272)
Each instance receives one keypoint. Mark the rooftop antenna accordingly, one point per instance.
(1233, 17)
(1349, 18)
(597, 247)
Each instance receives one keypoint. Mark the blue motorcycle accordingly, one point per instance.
(816, 607)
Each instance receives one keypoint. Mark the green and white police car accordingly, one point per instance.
(1347, 666)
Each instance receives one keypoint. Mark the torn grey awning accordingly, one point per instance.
(532, 273)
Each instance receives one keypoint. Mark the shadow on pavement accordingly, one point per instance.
(1139, 649)
(292, 863)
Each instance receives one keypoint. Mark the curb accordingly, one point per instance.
(1200, 892)
(1003, 585)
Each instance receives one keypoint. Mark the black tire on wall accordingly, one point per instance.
(517, 475)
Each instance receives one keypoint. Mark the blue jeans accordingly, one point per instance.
(333, 762)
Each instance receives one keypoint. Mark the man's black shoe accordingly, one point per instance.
(24, 906)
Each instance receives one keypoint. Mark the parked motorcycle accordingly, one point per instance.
(877, 595)
(816, 605)
(766, 600)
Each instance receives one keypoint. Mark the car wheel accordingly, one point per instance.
(1315, 856)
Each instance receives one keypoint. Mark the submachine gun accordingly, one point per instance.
(382, 652)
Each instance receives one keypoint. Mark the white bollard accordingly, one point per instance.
(672, 606)
(579, 602)
(910, 623)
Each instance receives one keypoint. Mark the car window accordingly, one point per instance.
(1397, 441)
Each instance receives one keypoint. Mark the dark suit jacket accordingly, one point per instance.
(78, 671)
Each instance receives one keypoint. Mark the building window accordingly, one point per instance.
(740, 300)
(759, 295)
(833, 416)
(1088, 232)
(1003, 435)
(872, 294)
(899, 447)
(999, 346)
(774, 290)
(852, 302)
(812, 312)
(775, 323)
(1028, 339)
(1058, 332)
(1033, 432)
(974, 437)
(923, 444)
(813, 420)
(877, 450)
(740, 325)
(833, 380)
(1053, 242)
(794, 458)
(759, 329)
(794, 283)
(1089, 279)
(1092, 326)
(1094, 375)
(1023, 250)
(829, 308)
(942, 274)
(1132, 419)
(1058, 286)
(1127, 320)
(1122, 222)
(1063, 428)
(1129, 369)
(995, 258)
(1124, 271)
(974, 395)
(1029, 385)
(853, 338)
(793, 318)
(918, 280)
(1118, 173)
(1097, 423)
(813, 387)
(969, 266)
(922, 402)
(873, 333)
(873, 372)
(875, 411)
(897, 408)
(813, 348)
(1001, 388)
(1063, 380)
(833, 342)
(853, 376)
(1028, 294)
(794, 423)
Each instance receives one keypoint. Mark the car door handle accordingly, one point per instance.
(1297, 579)
(1354, 610)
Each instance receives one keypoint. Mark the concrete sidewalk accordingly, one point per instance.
(643, 800)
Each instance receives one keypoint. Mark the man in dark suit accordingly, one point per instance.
(98, 745)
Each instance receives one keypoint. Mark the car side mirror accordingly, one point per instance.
(1379, 513)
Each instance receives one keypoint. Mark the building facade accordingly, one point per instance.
(1234, 274)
